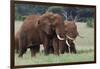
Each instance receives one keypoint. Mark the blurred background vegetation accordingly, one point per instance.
(85, 14)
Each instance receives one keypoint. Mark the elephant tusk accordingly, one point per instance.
(70, 37)
(68, 45)
(60, 37)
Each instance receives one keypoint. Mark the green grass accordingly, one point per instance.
(63, 58)
(84, 46)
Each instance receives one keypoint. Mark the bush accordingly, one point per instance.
(56, 9)
(90, 22)
(20, 18)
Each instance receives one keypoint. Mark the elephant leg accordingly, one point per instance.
(61, 46)
(34, 49)
(33, 52)
(73, 49)
(22, 51)
(22, 44)
(37, 48)
(46, 50)
(46, 47)
(56, 46)
(66, 48)
(51, 50)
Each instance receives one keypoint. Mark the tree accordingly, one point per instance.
(57, 9)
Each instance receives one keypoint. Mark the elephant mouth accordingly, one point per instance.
(70, 37)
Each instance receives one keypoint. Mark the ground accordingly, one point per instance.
(84, 46)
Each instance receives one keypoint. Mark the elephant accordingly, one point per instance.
(40, 29)
(34, 49)
(68, 45)
(71, 34)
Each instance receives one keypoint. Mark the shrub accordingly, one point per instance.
(20, 18)
(56, 9)
(90, 22)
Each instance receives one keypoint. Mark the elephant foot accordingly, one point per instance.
(33, 53)
(46, 52)
(21, 52)
(56, 53)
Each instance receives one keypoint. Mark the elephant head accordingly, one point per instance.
(71, 33)
(50, 23)
(58, 23)
(71, 30)
(44, 23)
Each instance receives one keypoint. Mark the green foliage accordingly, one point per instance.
(29, 9)
(56, 9)
(20, 18)
(90, 22)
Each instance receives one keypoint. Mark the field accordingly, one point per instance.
(84, 46)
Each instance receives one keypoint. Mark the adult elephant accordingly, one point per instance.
(60, 46)
(38, 30)
(68, 45)
(34, 49)
(71, 34)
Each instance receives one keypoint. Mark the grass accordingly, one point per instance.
(63, 58)
(84, 46)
